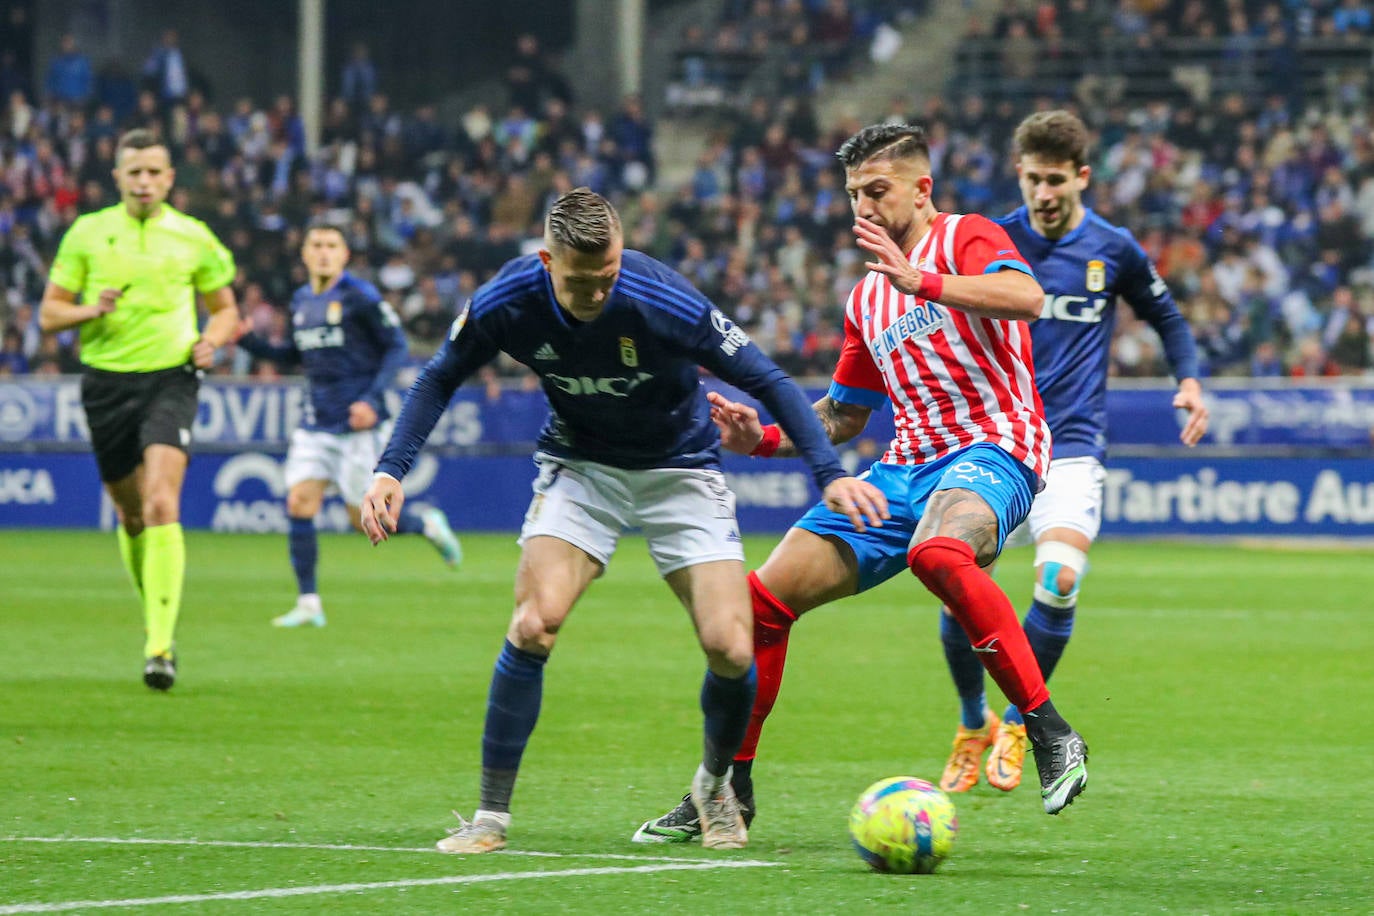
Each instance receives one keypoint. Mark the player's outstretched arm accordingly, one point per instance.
(1006, 294)
(1189, 398)
(249, 342)
(381, 508)
(742, 433)
(740, 429)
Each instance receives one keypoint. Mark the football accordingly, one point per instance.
(903, 825)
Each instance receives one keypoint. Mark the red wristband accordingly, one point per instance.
(932, 285)
(772, 438)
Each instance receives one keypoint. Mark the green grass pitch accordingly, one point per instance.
(1224, 693)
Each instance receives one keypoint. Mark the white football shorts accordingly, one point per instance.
(345, 460)
(687, 514)
(1072, 498)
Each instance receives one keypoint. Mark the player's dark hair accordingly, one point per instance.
(582, 220)
(136, 139)
(884, 141)
(1056, 136)
(321, 225)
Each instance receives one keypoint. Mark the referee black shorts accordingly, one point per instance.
(129, 411)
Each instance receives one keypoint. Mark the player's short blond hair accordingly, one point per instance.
(582, 220)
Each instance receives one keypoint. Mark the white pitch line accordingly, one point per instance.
(276, 892)
(334, 847)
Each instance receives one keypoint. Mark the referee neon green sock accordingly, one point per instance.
(164, 567)
(131, 551)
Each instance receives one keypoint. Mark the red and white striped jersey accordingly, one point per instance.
(953, 378)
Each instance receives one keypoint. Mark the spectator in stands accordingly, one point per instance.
(633, 137)
(1195, 173)
(1350, 350)
(13, 360)
(832, 28)
(1311, 360)
(1020, 57)
(358, 81)
(1353, 18)
(1265, 362)
(16, 39)
(166, 70)
(429, 325)
(529, 78)
(71, 81)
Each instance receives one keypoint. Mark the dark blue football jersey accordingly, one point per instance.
(1083, 274)
(624, 389)
(349, 343)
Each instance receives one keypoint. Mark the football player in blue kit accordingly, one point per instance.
(1084, 264)
(616, 339)
(349, 344)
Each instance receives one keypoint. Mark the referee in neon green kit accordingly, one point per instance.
(136, 268)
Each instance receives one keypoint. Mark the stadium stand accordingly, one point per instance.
(1234, 138)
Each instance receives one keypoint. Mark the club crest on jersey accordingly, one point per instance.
(333, 313)
(461, 320)
(1096, 278)
(628, 354)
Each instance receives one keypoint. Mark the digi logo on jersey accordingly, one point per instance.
(1074, 308)
(732, 338)
(319, 338)
(619, 387)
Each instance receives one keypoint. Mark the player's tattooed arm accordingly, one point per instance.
(962, 515)
(842, 422)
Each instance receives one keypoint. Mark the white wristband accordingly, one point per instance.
(378, 475)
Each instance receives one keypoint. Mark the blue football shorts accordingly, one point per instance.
(1007, 485)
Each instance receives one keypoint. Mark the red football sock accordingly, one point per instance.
(772, 624)
(949, 568)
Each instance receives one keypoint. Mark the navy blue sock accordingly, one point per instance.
(517, 687)
(1048, 629)
(410, 522)
(965, 669)
(305, 552)
(726, 702)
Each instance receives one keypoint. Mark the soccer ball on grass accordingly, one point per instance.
(903, 825)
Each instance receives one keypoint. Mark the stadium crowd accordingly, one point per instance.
(1258, 207)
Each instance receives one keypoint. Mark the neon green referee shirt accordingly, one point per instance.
(161, 264)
